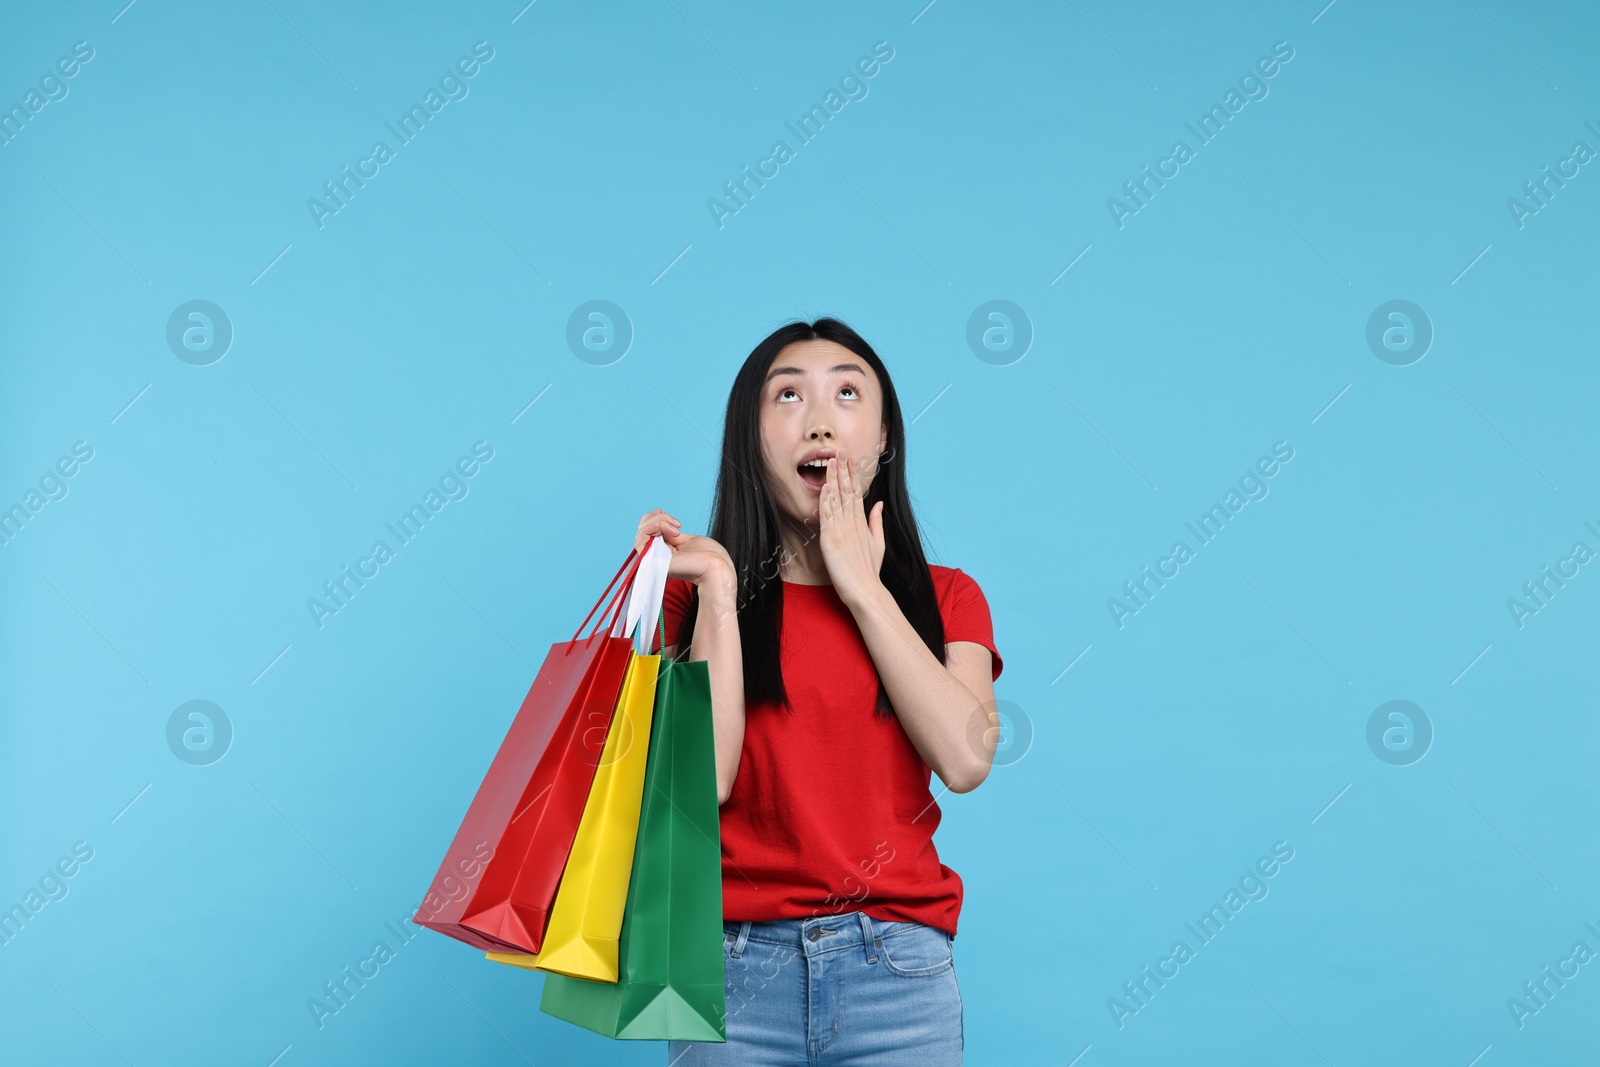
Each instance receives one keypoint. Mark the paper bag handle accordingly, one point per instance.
(646, 591)
(615, 601)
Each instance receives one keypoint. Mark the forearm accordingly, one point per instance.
(941, 716)
(716, 640)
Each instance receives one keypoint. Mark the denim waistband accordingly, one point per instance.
(824, 933)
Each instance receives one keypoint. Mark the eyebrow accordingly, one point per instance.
(835, 369)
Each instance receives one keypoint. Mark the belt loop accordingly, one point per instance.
(739, 942)
(868, 939)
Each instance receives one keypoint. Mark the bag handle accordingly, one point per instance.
(646, 594)
(615, 601)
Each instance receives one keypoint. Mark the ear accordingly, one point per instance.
(883, 440)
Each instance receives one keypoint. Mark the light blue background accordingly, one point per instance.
(428, 314)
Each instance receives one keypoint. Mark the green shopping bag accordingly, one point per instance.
(670, 984)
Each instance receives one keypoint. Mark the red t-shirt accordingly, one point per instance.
(832, 810)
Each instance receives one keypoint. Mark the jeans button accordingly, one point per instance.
(814, 933)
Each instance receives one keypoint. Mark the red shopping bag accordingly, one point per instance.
(499, 877)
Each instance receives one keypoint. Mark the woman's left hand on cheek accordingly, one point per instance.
(852, 543)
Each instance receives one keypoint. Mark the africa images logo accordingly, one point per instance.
(1253, 84)
(453, 485)
(852, 87)
(452, 87)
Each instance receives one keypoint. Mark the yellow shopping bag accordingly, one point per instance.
(527, 960)
(586, 918)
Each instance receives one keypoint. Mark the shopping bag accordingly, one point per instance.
(586, 920)
(498, 878)
(586, 917)
(537, 880)
(670, 982)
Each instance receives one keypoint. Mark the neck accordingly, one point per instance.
(801, 559)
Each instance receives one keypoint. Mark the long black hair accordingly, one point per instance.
(746, 521)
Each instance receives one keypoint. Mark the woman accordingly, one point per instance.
(840, 919)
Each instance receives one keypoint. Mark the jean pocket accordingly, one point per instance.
(916, 951)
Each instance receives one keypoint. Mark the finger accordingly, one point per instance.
(853, 488)
(657, 528)
(653, 522)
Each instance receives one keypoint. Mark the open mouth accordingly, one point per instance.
(814, 474)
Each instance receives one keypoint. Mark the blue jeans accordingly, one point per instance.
(838, 989)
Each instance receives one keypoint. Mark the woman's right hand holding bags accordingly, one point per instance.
(694, 558)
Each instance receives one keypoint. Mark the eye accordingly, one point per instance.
(784, 391)
(851, 389)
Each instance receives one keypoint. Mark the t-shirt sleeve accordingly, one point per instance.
(674, 604)
(966, 617)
